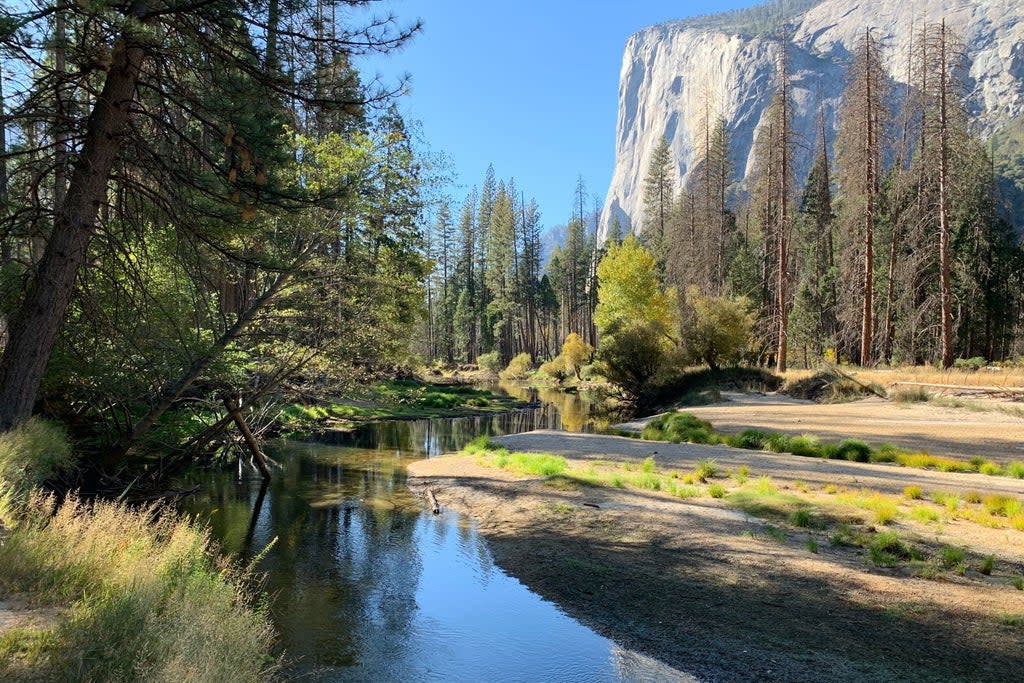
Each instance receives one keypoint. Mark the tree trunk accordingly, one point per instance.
(250, 441)
(867, 320)
(945, 297)
(36, 325)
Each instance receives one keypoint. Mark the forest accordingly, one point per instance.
(897, 249)
(215, 231)
(203, 207)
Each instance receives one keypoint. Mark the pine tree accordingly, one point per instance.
(659, 185)
(862, 122)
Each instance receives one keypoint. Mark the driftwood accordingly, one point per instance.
(435, 507)
(254, 447)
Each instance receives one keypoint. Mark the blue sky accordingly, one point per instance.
(529, 86)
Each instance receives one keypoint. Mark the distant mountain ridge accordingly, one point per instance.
(670, 70)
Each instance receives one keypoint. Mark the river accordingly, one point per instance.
(366, 585)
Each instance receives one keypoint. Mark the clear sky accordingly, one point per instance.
(530, 86)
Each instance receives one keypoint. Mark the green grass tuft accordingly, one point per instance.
(887, 549)
(913, 493)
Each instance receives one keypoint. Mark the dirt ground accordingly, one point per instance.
(940, 431)
(724, 596)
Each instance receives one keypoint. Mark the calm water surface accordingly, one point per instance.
(369, 586)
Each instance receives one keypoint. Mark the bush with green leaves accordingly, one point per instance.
(489, 361)
(720, 329)
(518, 368)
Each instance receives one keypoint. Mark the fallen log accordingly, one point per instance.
(435, 507)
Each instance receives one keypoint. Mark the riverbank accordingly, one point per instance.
(774, 567)
(400, 399)
(104, 592)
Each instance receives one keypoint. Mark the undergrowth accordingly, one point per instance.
(141, 593)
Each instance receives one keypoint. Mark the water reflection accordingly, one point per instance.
(368, 586)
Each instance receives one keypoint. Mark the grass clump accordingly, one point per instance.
(913, 493)
(887, 549)
(923, 513)
(953, 556)
(680, 428)
(1014, 620)
(30, 454)
(854, 450)
(148, 599)
(1018, 583)
(716, 491)
(811, 545)
(800, 518)
(1002, 506)
(1014, 469)
(706, 469)
(987, 565)
(741, 475)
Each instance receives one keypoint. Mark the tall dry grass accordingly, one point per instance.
(143, 593)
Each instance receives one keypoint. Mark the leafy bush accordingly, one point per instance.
(489, 361)
(555, 369)
(576, 353)
(720, 329)
(518, 368)
(970, 364)
(854, 450)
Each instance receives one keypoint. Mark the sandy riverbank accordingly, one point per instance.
(722, 595)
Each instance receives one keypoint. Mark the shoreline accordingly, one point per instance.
(722, 595)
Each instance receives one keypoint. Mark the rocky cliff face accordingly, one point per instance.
(673, 73)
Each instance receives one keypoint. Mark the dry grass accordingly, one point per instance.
(142, 593)
(1004, 377)
(147, 600)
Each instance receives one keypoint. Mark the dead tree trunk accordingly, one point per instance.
(234, 409)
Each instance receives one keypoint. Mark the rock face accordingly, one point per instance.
(676, 72)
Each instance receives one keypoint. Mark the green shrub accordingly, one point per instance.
(952, 557)
(716, 491)
(854, 450)
(777, 443)
(680, 428)
(970, 364)
(1015, 469)
(987, 565)
(751, 439)
(886, 453)
(800, 518)
(518, 368)
(806, 445)
(489, 361)
(887, 548)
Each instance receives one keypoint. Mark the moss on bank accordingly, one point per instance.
(394, 400)
(143, 595)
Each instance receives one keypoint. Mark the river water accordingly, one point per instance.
(367, 585)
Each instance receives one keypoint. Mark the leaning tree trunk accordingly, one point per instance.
(35, 326)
